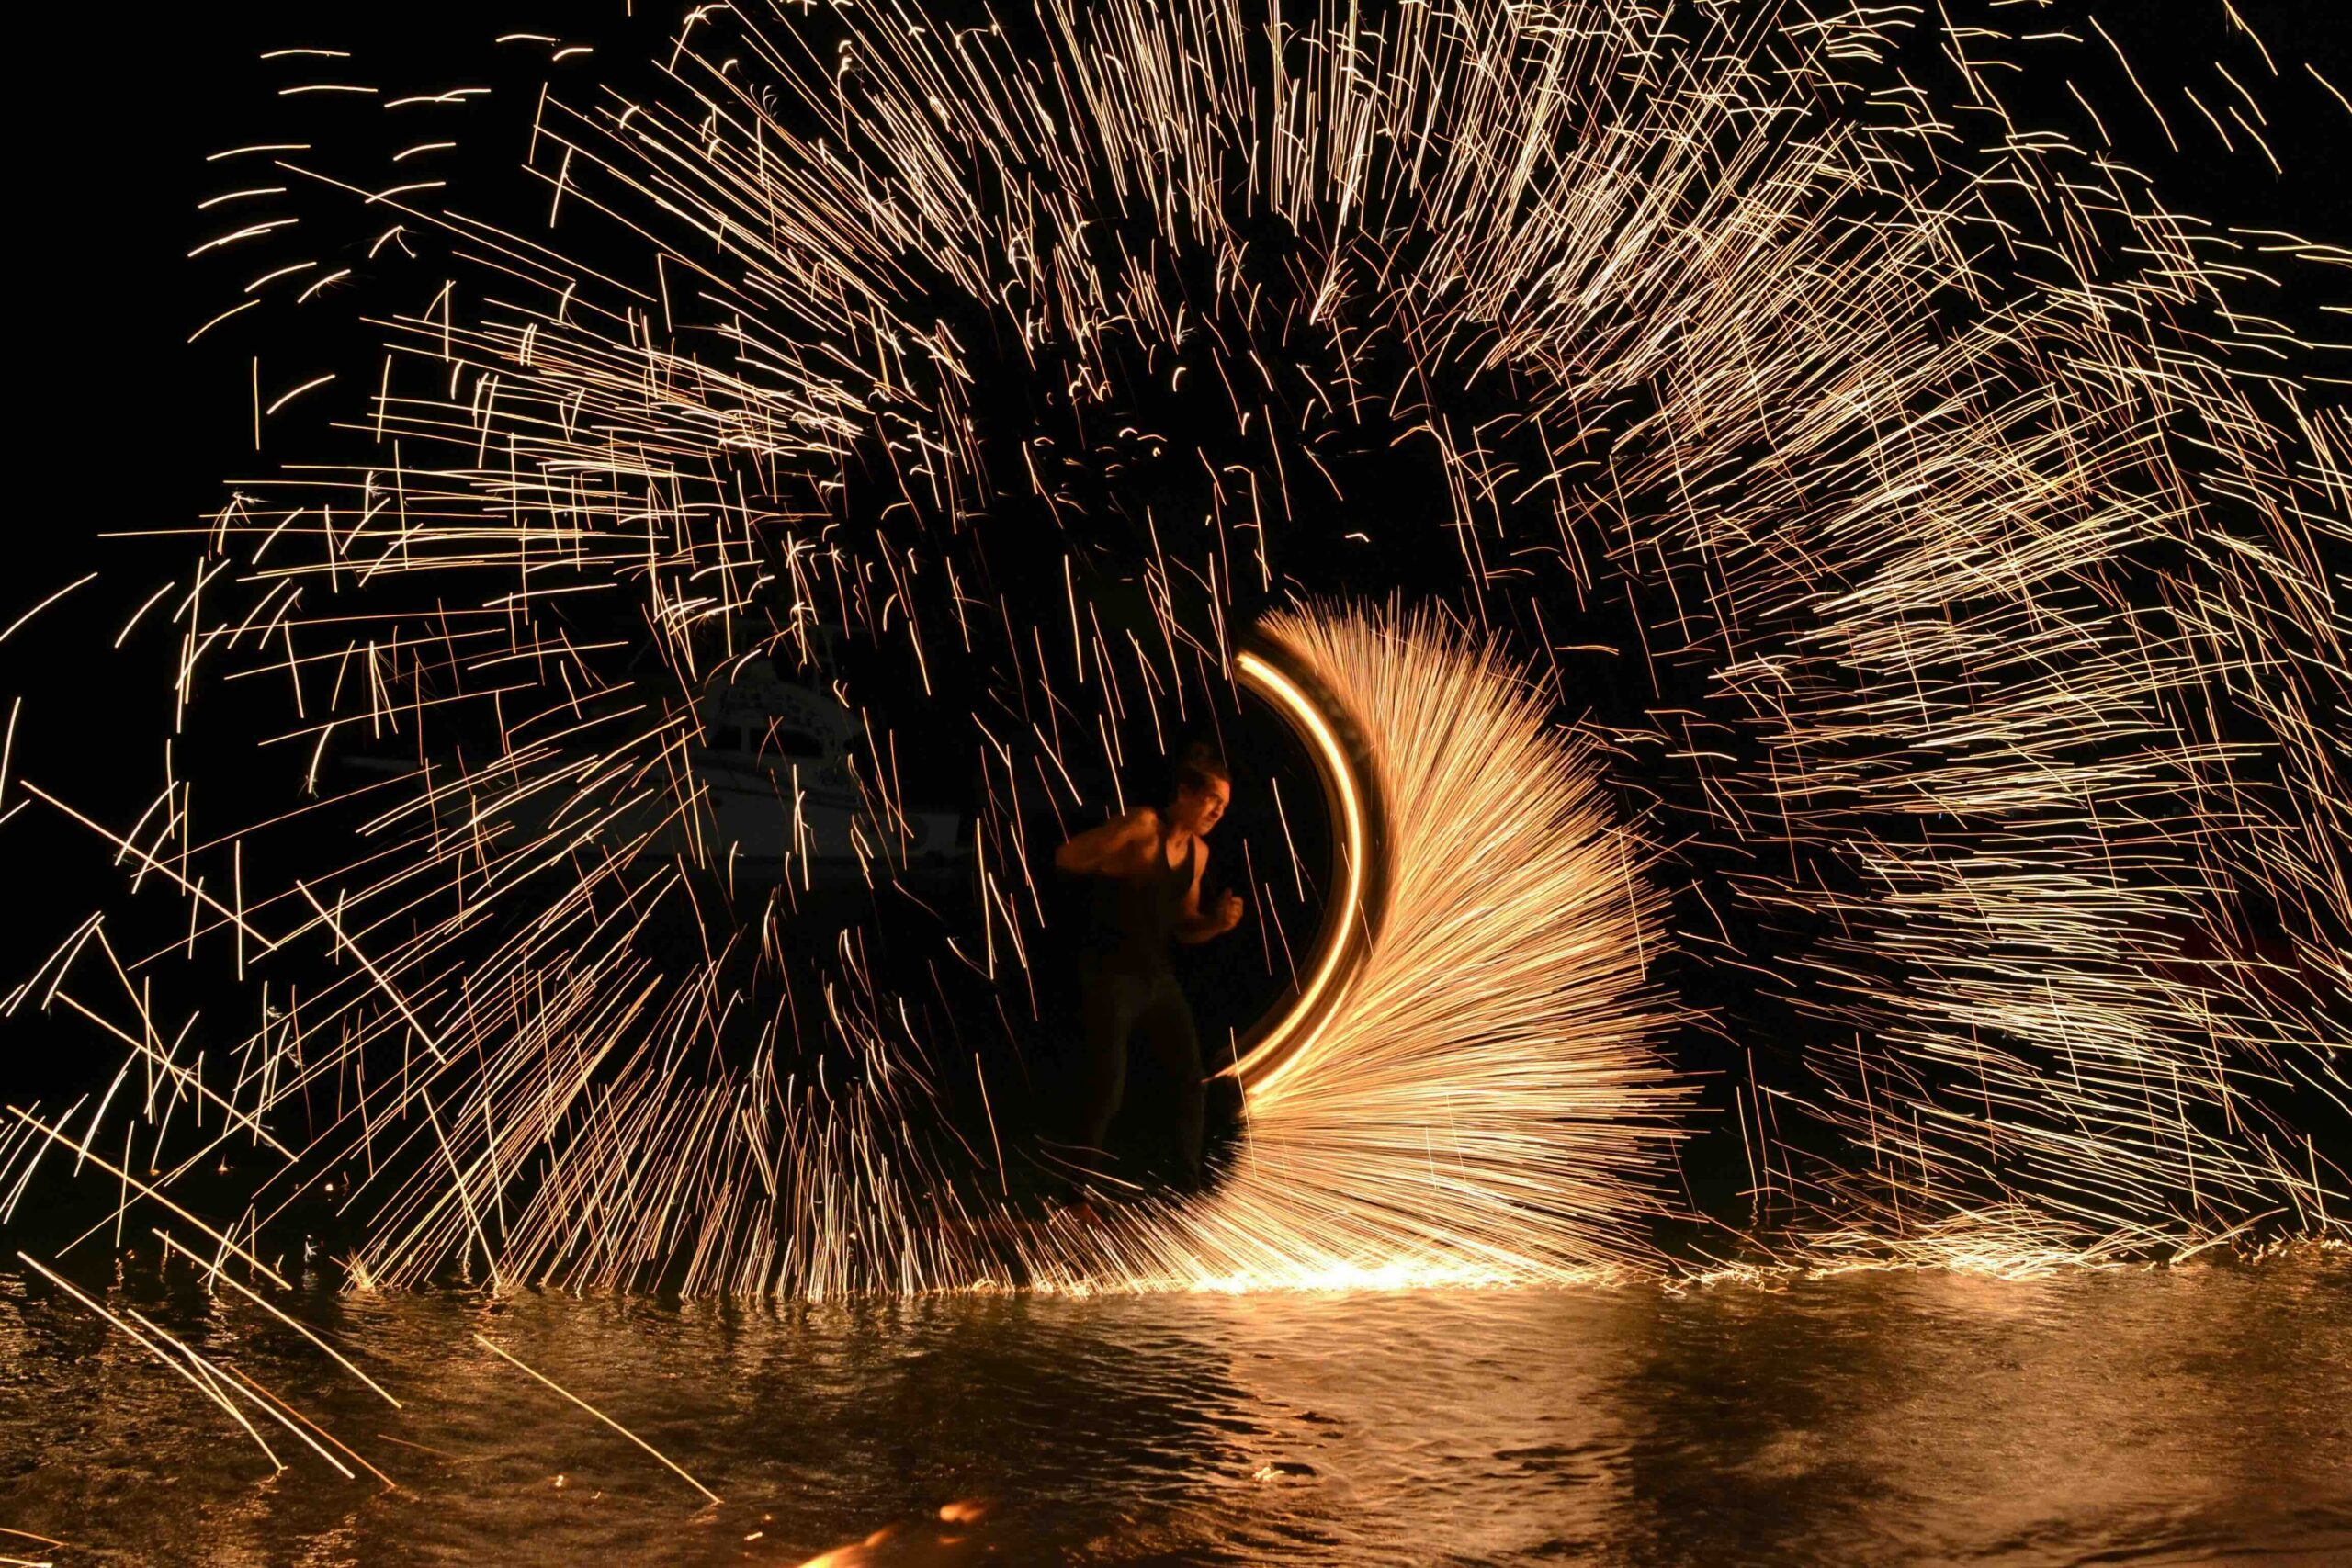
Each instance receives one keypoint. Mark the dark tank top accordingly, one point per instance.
(1134, 918)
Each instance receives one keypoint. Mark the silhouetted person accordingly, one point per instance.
(1147, 869)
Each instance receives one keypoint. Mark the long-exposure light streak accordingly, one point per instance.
(1862, 663)
(157, 1348)
(214, 1273)
(508, 1357)
(1261, 1067)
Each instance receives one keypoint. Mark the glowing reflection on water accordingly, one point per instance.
(2181, 1415)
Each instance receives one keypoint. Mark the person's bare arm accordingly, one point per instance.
(1101, 849)
(1192, 925)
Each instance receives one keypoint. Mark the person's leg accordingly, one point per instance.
(1166, 1024)
(1106, 1012)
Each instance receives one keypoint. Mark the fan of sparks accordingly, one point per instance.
(1869, 694)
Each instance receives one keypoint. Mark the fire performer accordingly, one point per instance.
(1146, 869)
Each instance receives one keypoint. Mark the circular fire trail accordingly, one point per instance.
(1499, 955)
(1860, 681)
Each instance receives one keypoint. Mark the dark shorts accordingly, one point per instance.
(1118, 1008)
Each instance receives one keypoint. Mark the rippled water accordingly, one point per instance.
(2193, 1414)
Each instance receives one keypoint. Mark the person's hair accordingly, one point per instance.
(1197, 767)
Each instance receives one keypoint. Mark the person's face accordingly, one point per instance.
(1198, 810)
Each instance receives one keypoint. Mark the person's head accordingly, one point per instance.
(1201, 789)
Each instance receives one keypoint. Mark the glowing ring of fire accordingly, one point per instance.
(1350, 919)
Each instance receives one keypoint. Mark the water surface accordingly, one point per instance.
(2193, 1414)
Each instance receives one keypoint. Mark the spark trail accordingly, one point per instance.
(1968, 573)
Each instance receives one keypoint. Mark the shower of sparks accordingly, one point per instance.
(1954, 486)
(1548, 1145)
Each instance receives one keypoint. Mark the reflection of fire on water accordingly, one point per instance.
(945, 1540)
